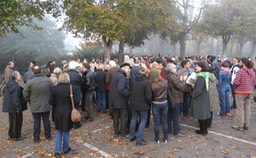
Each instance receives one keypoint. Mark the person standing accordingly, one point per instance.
(61, 101)
(223, 89)
(14, 103)
(90, 87)
(200, 102)
(176, 86)
(159, 104)
(77, 81)
(100, 88)
(8, 71)
(29, 74)
(235, 67)
(245, 82)
(37, 92)
(119, 95)
(140, 102)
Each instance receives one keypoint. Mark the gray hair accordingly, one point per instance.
(14, 74)
(57, 70)
(63, 78)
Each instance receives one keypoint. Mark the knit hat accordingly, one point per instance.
(153, 73)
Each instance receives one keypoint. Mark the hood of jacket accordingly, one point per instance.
(249, 71)
(11, 85)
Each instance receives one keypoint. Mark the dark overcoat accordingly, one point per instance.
(61, 100)
(119, 90)
(13, 98)
(200, 100)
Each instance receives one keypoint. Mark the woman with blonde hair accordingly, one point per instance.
(61, 100)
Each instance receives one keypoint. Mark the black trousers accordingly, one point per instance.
(15, 124)
(203, 126)
(119, 120)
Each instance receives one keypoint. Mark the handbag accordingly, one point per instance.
(75, 114)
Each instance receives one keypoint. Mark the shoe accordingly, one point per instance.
(219, 114)
(142, 143)
(66, 152)
(201, 132)
(125, 137)
(157, 141)
(132, 139)
(57, 155)
(246, 128)
(165, 141)
(237, 128)
(180, 135)
(18, 139)
(77, 126)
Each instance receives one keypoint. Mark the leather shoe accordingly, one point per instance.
(142, 143)
(132, 139)
(17, 139)
(57, 155)
(66, 152)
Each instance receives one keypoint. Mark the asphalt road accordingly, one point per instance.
(95, 139)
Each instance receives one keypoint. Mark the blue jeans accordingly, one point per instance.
(59, 135)
(173, 119)
(37, 125)
(101, 101)
(160, 112)
(224, 99)
(143, 120)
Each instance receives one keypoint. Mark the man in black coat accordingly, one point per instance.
(119, 93)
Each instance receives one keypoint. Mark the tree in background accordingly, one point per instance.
(39, 45)
(14, 13)
(115, 20)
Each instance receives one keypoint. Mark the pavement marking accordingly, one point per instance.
(94, 148)
(97, 130)
(223, 135)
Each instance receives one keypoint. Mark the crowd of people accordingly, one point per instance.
(168, 88)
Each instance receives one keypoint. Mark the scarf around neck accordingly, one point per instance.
(206, 75)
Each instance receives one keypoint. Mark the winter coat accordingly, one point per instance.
(90, 81)
(141, 93)
(176, 87)
(119, 90)
(159, 89)
(13, 98)
(100, 84)
(200, 102)
(75, 78)
(7, 73)
(61, 101)
(109, 75)
(28, 75)
(37, 92)
(213, 93)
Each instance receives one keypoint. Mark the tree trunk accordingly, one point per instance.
(182, 47)
(108, 43)
(253, 49)
(120, 55)
(225, 40)
(198, 48)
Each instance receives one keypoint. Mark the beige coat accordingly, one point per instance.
(214, 95)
